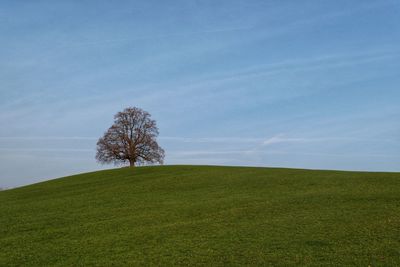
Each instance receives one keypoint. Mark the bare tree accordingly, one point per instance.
(132, 138)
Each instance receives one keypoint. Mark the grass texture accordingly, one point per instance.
(204, 216)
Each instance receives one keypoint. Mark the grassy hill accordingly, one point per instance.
(200, 215)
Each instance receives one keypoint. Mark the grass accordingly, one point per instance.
(201, 215)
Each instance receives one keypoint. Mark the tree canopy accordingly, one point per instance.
(131, 139)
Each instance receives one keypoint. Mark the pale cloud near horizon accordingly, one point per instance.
(273, 152)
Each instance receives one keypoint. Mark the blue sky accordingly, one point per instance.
(307, 84)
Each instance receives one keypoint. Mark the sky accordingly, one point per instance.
(299, 84)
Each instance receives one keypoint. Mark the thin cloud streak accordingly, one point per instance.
(284, 29)
(272, 152)
(46, 149)
(296, 65)
(279, 139)
(46, 138)
(304, 65)
(152, 37)
(288, 66)
(212, 139)
(265, 142)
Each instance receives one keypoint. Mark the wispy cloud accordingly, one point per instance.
(150, 37)
(307, 64)
(330, 61)
(212, 139)
(46, 149)
(280, 30)
(204, 153)
(282, 139)
(279, 138)
(28, 138)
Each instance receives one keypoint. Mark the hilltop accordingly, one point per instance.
(203, 215)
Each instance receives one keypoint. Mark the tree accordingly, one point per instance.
(132, 138)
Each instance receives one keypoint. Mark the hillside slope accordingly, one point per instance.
(200, 215)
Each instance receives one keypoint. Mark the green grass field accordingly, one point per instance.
(200, 215)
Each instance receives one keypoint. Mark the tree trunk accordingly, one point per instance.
(131, 163)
